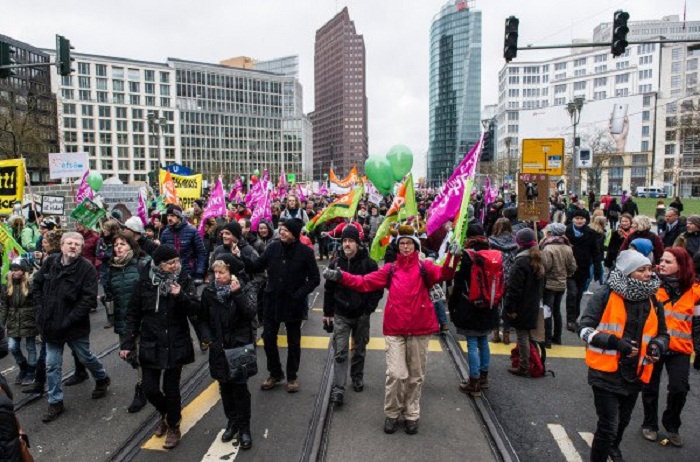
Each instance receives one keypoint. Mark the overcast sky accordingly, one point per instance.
(396, 35)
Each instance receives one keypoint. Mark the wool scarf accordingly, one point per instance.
(633, 289)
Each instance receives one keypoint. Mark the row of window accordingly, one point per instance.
(149, 75)
(116, 98)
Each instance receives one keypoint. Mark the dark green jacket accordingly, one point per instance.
(17, 313)
(118, 287)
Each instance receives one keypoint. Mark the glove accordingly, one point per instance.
(197, 282)
(455, 249)
(696, 362)
(332, 275)
(653, 351)
(622, 345)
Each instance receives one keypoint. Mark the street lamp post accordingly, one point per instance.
(574, 108)
(157, 125)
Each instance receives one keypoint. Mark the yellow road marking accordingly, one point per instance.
(377, 343)
(191, 414)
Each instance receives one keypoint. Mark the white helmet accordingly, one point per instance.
(135, 225)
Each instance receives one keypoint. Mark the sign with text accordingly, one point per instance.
(53, 205)
(542, 155)
(188, 187)
(88, 213)
(67, 165)
(11, 184)
(533, 197)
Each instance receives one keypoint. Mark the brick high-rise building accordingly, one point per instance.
(340, 117)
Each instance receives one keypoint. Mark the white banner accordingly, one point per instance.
(67, 165)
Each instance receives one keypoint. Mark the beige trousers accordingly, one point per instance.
(406, 358)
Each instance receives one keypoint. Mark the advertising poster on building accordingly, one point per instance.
(188, 187)
(53, 205)
(67, 165)
(11, 184)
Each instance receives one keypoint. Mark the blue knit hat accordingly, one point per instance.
(642, 246)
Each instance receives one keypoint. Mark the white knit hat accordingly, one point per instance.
(629, 261)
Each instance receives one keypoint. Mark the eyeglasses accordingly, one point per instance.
(407, 243)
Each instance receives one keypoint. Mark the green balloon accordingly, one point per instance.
(401, 160)
(256, 172)
(379, 173)
(243, 178)
(94, 179)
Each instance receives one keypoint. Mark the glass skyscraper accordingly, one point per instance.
(455, 86)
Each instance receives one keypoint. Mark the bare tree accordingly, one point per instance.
(602, 147)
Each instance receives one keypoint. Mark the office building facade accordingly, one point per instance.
(340, 116)
(455, 87)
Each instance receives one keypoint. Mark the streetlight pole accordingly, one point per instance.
(157, 125)
(574, 108)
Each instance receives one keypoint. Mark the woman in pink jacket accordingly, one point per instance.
(409, 320)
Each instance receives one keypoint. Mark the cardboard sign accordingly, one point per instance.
(88, 213)
(533, 197)
(53, 205)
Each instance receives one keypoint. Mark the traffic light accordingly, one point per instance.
(510, 46)
(487, 148)
(6, 59)
(63, 59)
(619, 35)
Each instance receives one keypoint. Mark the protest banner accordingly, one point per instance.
(67, 165)
(88, 213)
(188, 187)
(12, 180)
(53, 205)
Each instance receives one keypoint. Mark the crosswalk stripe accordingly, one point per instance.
(564, 442)
(377, 343)
(190, 415)
(587, 437)
(221, 451)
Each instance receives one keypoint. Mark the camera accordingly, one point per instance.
(328, 326)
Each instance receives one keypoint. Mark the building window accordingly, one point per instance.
(119, 98)
(165, 90)
(622, 78)
(600, 95)
(118, 85)
(600, 81)
(645, 145)
(675, 81)
(122, 126)
(670, 149)
(645, 115)
(646, 101)
(149, 88)
(560, 66)
(645, 74)
(105, 138)
(89, 137)
(117, 72)
(560, 88)
(88, 124)
(67, 93)
(105, 125)
(134, 87)
(164, 77)
(67, 81)
(135, 100)
(120, 112)
(676, 53)
(645, 88)
(165, 102)
(580, 85)
(622, 65)
(150, 101)
(106, 164)
(137, 126)
(84, 68)
(134, 74)
(84, 82)
(102, 97)
(84, 95)
(601, 58)
(676, 67)
(580, 62)
(149, 76)
(645, 130)
(579, 72)
(69, 108)
(100, 70)
(104, 111)
(137, 113)
(646, 59)
(620, 92)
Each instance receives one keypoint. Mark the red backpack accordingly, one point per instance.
(538, 356)
(487, 282)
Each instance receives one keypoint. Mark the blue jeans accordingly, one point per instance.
(54, 365)
(440, 311)
(479, 355)
(15, 346)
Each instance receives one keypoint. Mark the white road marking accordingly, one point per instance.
(564, 442)
(7, 370)
(587, 437)
(221, 451)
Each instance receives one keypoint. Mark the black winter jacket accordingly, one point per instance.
(165, 334)
(346, 302)
(523, 294)
(17, 313)
(292, 274)
(231, 324)
(630, 207)
(147, 246)
(119, 287)
(63, 297)
(188, 243)
(586, 252)
(670, 236)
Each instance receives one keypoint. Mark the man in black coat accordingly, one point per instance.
(292, 274)
(630, 206)
(674, 227)
(349, 312)
(63, 292)
(586, 253)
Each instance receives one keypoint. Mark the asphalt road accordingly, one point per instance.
(547, 419)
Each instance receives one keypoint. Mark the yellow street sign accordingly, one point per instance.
(542, 155)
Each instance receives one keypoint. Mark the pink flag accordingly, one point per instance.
(216, 207)
(323, 190)
(262, 210)
(235, 190)
(302, 197)
(447, 202)
(141, 209)
(84, 190)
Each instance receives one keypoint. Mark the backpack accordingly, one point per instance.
(538, 356)
(487, 282)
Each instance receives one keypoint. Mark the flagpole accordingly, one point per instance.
(29, 186)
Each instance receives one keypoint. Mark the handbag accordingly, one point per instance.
(242, 362)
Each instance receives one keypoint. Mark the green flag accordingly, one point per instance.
(395, 213)
(344, 206)
(409, 207)
(10, 249)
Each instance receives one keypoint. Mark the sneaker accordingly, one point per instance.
(649, 434)
(293, 386)
(53, 412)
(337, 398)
(519, 372)
(357, 384)
(390, 425)
(270, 382)
(76, 378)
(30, 377)
(472, 387)
(588, 292)
(101, 387)
(162, 428)
(172, 438)
(411, 427)
(675, 439)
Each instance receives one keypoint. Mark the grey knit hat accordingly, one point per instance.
(629, 261)
(557, 229)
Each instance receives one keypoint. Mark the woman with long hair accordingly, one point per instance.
(18, 315)
(524, 294)
(503, 239)
(679, 294)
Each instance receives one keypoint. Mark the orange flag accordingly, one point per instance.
(347, 181)
(168, 190)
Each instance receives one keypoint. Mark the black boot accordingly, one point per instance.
(230, 432)
(139, 400)
(246, 439)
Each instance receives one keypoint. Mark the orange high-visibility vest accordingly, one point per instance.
(613, 322)
(679, 318)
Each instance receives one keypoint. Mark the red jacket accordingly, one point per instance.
(338, 230)
(306, 241)
(408, 310)
(90, 247)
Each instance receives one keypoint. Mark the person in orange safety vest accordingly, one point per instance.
(680, 296)
(625, 333)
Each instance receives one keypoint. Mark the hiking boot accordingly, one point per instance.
(484, 380)
(519, 372)
(30, 377)
(172, 438)
(139, 400)
(615, 455)
(337, 398)
(246, 439)
(293, 386)
(675, 439)
(390, 425)
(230, 432)
(649, 434)
(496, 337)
(411, 427)
(22, 373)
(53, 412)
(101, 387)
(472, 387)
(162, 428)
(357, 384)
(76, 378)
(270, 382)
(506, 337)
